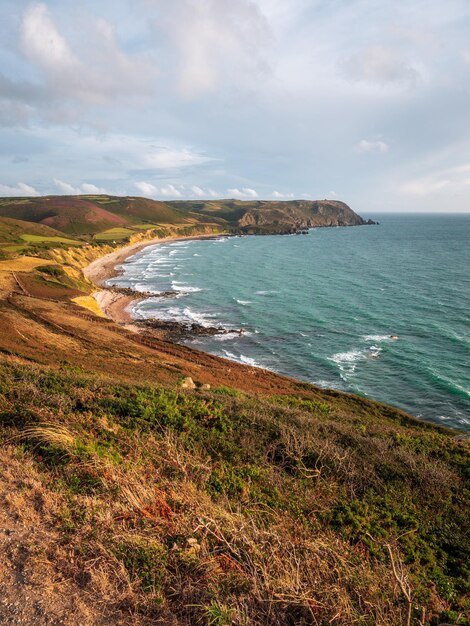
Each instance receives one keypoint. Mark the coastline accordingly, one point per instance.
(114, 304)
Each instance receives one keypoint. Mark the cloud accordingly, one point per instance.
(280, 196)
(168, 191)
(466, 56)
(85, 188)
(100, 71)
(372, 147)
(20, 189)
(451, 180)
(380, 64)
(43, 44)
(214, 41)
(199, 192)
(147, 189)
(424, 186)
(246, 192)
(89, 188)
(169, 158)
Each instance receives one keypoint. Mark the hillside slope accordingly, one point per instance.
(88, 215)
(300, 214)
(274, 217)
(128, 499)
(111, 218)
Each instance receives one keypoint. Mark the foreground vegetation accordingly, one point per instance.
(219, 507)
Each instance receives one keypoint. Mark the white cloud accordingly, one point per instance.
(19, 190)
(99, 72)
(43, 44)
(423, 186)
(169, 158)
(66, 187)
(282, 196)
(380, 64)
(147, 189)
(246, 192)
(372, 147)
(203, 193)
(214, 41)
(168, 191)
(85, 188)
(451, 180)
(466, 56)
(92, 189)
(197, 191)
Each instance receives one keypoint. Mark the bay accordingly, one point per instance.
(323, 307)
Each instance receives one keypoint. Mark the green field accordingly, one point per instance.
(147, 226)
(114, 234)
(34, 239)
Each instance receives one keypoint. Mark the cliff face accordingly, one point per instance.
(298, 215)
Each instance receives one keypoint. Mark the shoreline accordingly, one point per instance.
(114, 304)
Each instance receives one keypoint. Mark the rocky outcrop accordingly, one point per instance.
(298, 215)
(179, 331)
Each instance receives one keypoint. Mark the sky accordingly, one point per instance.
(365, 101)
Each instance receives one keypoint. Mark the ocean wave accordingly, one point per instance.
(184, 315)
(267, 292)
(244, 302)
(328, 384)
(229, 336)
(450, 385)
(376, 337)
(145, 288)
(178, 286)
(241, 358)
(347, 361)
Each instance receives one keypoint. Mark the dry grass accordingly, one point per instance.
(207, 508)
(22, 264)
(89, 303)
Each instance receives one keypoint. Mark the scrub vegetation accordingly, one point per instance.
(219, 507)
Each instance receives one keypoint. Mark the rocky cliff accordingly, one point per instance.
(298, 215)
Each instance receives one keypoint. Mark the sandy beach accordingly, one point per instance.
(114, 304)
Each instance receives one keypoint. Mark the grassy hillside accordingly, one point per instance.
(111, 219)
(18, 236)
(223, 507)
(88, 215)
(271, 216)
(250, 499)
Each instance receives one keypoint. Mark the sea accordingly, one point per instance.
(380, 311)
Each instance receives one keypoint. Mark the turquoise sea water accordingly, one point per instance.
(322, 307)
